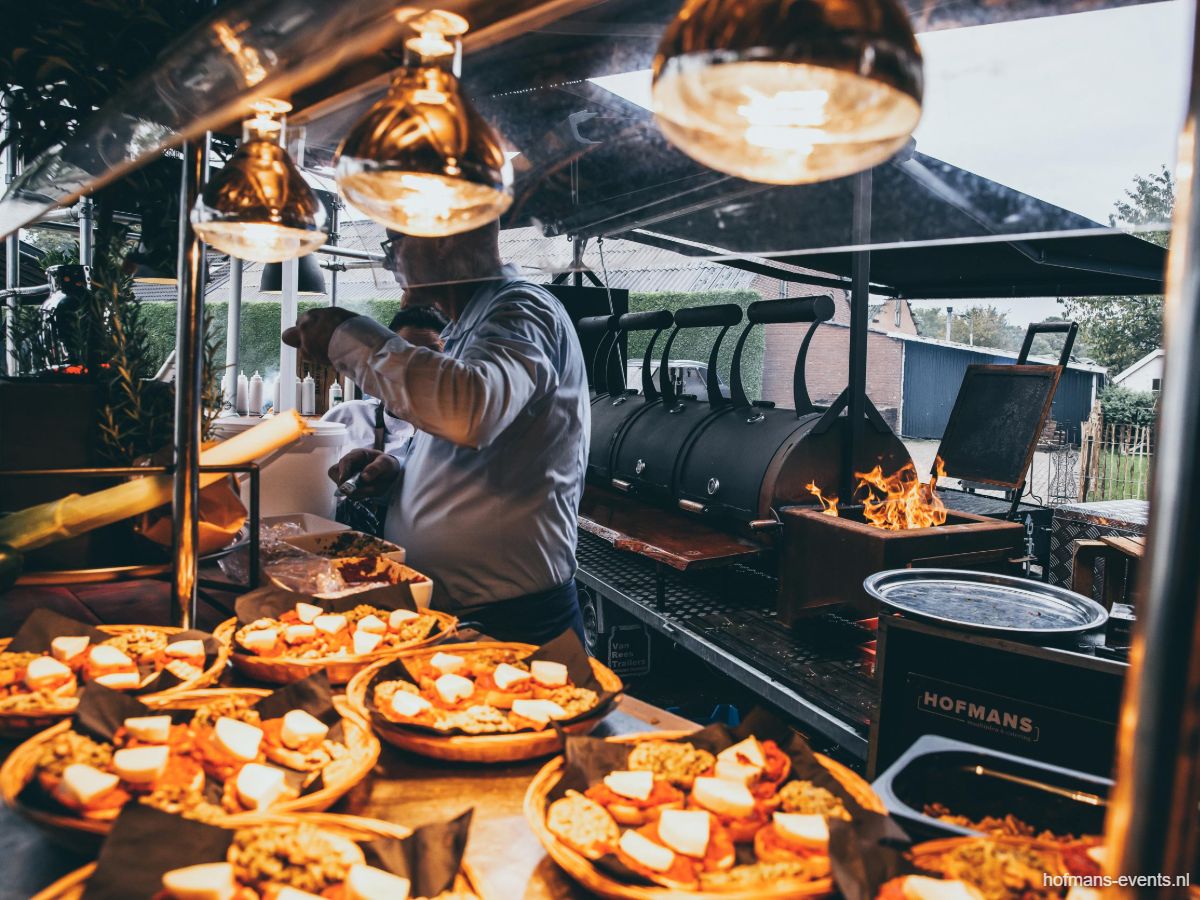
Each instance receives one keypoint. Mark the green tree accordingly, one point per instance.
(1121, 330)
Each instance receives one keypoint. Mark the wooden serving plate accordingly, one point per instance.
(24, 722)
(284, 671)
(585, 872)
(339, 777)
(356, 828)
(482, 748)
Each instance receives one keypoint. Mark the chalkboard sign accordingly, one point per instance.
(996, 421)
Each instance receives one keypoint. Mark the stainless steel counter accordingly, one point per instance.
(406, 789)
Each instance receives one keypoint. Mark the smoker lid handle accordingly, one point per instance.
(722, 314)
(1070, 329)
(593, 324)
(791, 309)
(656, 320)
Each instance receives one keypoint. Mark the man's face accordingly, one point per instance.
(413, 261)
(421, 337)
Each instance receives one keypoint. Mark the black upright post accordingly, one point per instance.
(860, 292)
(189, 375)
(1152, 824)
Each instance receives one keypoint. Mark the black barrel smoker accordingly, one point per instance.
(733, 460)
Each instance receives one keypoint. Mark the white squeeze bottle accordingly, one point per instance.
(275, 393)
(255, 403)
(308, 404)
(335, 394)
(240, 401)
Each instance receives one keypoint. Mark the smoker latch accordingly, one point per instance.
(692, 506)
(764, 524)
(622, 485)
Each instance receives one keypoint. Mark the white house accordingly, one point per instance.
(1145, 374)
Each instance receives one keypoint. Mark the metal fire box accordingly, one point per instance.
(1056, 704)
(824, 558)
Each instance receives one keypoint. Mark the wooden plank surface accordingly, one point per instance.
(667, 536)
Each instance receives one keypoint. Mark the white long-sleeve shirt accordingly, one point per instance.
(488, 505)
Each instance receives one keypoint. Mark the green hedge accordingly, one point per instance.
(260, 330)
(696, 343)
(260, 327)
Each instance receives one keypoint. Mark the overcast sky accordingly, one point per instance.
(1067, 108)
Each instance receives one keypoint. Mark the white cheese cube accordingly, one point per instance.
(453, 688)
(259, 786)
(261, 640)
(141, 765)
(206, 881)
(83, 784)
(302, 729)
(547, 673)
(409, 705)
(508, 677)
(185, 649)
(809, 830)
(66, 647)
(107, 657)
(151, 729)
(446, 663)
(298, 634)
(46, 672)
(240, 739)
(540, 711)
(634, 785)
(120, 681)
(307, 612)
(373, 624)
(654, 857)
(735, 771)
(330, 623)
(748, 753)
(366, 642)
(725, 798)
(369, 883)
(922, 887)
(685, 831)
(291, 893)
(398, 617)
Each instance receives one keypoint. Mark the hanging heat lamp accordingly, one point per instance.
(258, 207)
(788, 92)
(310, 280)
(422, 161)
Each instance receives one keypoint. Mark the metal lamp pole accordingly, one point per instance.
(1152, 823)
(189, 376)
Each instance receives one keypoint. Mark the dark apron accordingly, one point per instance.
(533, 619)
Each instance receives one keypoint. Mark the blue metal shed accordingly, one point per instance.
(933, 371)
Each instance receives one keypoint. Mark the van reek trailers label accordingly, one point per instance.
(975, 708)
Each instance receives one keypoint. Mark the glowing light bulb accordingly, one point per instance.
(258, 206)
(788, 93)
(422, 161)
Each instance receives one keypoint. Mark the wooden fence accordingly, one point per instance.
(1114, 460)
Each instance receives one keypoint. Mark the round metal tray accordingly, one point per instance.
(981, 601)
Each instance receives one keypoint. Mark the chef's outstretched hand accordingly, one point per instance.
(314, 329)
(377, 472)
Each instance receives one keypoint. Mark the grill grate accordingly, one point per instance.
(734, 609)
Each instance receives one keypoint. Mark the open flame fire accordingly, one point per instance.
(894, 502)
